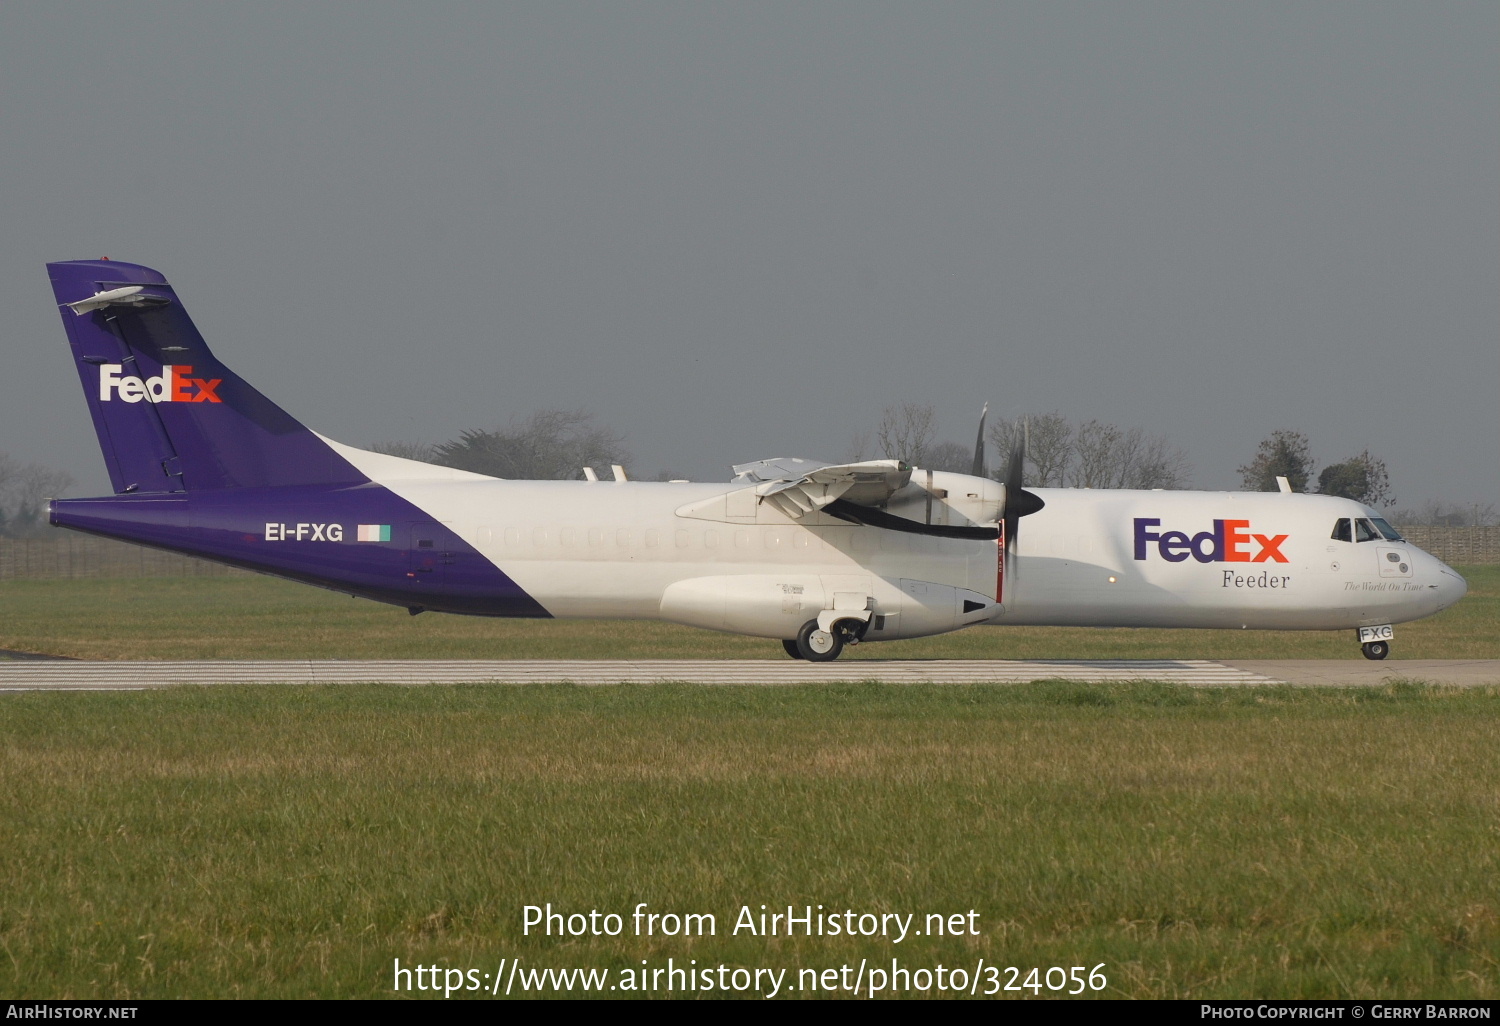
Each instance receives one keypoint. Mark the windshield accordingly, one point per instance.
(1391, 534)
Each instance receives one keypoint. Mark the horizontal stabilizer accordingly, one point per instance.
(130, 295)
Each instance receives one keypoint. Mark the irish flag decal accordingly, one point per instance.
(374, 532)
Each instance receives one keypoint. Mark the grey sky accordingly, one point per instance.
(738, 231)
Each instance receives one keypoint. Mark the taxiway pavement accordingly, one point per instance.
(79, 675)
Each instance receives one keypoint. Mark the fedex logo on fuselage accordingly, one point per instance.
(1230, 541)
(172, 385)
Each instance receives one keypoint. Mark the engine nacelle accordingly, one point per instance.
(776, 606)
(948, 499)
(762, 605)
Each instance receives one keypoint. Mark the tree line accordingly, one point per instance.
(1288, 454)
(548, 445)
(1066, 453)
(1060, 452)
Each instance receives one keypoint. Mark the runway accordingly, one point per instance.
(77, 675)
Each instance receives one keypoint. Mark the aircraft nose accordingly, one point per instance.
(1451, 587)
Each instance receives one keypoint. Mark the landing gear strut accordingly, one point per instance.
(1376, 649)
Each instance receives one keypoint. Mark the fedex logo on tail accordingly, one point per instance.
(1230, 541)
(173, 385)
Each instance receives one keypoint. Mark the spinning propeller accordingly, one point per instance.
(1018, 501)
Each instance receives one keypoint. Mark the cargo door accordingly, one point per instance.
(429, 557)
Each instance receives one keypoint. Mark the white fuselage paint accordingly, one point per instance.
(708, 555)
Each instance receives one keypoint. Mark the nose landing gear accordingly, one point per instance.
(1375, 642)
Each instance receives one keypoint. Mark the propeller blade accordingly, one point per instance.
(1012, 510)
(1018, 503)
(978, 470)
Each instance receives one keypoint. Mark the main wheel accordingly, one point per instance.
(1376, 649)
(817, 645)
(792, 649)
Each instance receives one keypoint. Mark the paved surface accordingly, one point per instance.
(79, 675)
(1353, 672)
(69, 675)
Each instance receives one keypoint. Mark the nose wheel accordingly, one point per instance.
(1376, 649)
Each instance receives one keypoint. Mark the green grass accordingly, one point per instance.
(263, 618)
(293, 841)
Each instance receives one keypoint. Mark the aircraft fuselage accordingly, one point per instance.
(687, 552)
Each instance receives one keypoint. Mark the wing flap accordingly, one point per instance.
(800, 487)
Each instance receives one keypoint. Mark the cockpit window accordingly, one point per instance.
(1390, 533)
(1341, 531)
(1365, 531)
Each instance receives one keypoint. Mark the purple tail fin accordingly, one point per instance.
(170, 416)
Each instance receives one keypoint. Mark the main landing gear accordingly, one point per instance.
(819, 646)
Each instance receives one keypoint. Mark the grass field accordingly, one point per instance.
(263, 618)
(294, 841)
(290, 842)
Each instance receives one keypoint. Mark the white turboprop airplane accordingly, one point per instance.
(816, 555)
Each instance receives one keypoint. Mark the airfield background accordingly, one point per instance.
(66, 554)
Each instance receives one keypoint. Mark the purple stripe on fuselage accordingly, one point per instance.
(310, 534)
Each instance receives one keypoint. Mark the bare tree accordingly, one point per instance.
(1097, 461)
(906, 433)
(949, 456)
(1049, 447)
(548, 445)
(1089, 455)
(1002, 439)
(859, 445)
(1158, 464)
(1437, 513)
(9, 468)
(24, 491)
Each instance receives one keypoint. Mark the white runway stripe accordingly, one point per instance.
(71, 675)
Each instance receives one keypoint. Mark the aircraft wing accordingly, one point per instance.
(798, 487)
